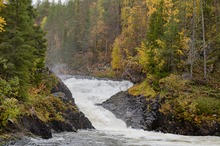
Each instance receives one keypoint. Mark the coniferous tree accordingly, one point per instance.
(22, 46)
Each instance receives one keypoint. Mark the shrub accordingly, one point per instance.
(181, 108)
(208, 106)
(9, 88)
(49, 108)
(173, 83)
(9, 110)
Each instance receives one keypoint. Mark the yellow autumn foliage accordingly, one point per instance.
(117, 58)
(2, 20)
(143, 88)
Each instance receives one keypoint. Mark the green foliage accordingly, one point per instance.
(186, 100)
(22, 49)
(181, 108)
(9, 110)
(22, 66)
(49, 108)
(208, 106)
(174, 84)
(9, 88)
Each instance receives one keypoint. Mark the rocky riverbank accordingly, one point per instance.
(31, 124)
(144, 113)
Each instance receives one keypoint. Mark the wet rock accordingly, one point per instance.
(60, 126)
(142, 113)
(78, 120)
(74, 119)
(36, 126)
(62, 88)
(128, 108)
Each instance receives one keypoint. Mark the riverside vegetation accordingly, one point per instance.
(27, 105)
(169, 48)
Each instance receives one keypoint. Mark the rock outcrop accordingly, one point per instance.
(35, 126)
(73, 119)
(142, 113)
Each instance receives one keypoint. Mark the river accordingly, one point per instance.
(110, 131)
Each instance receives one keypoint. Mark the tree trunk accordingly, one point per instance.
(203, 36)
(216, 15)
(192, 50)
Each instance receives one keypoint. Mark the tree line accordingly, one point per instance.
(152, 38)
(23, 77)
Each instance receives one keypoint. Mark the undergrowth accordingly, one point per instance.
(185, 100)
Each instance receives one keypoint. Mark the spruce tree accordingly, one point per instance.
(21, 45)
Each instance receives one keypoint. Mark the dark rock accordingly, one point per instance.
(74, 119)
(128, 108)
(61, 87)
(64, 98)
(141, 113)
(36, 126)
(60, 126)
(78, 120)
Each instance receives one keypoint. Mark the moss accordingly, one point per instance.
(143, 88)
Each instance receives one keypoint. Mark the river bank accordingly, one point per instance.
(89, 93)
(64, 115)
(146, 113)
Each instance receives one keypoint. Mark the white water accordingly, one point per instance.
(111, 131)
(88, 93)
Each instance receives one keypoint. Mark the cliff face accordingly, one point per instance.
(142, 113)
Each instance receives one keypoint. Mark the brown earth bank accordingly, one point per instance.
(32, 125)
(142, 113)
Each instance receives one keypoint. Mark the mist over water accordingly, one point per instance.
(110, 131)
(58, 68)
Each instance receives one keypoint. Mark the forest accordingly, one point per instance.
(169, 48)
(25, 81)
